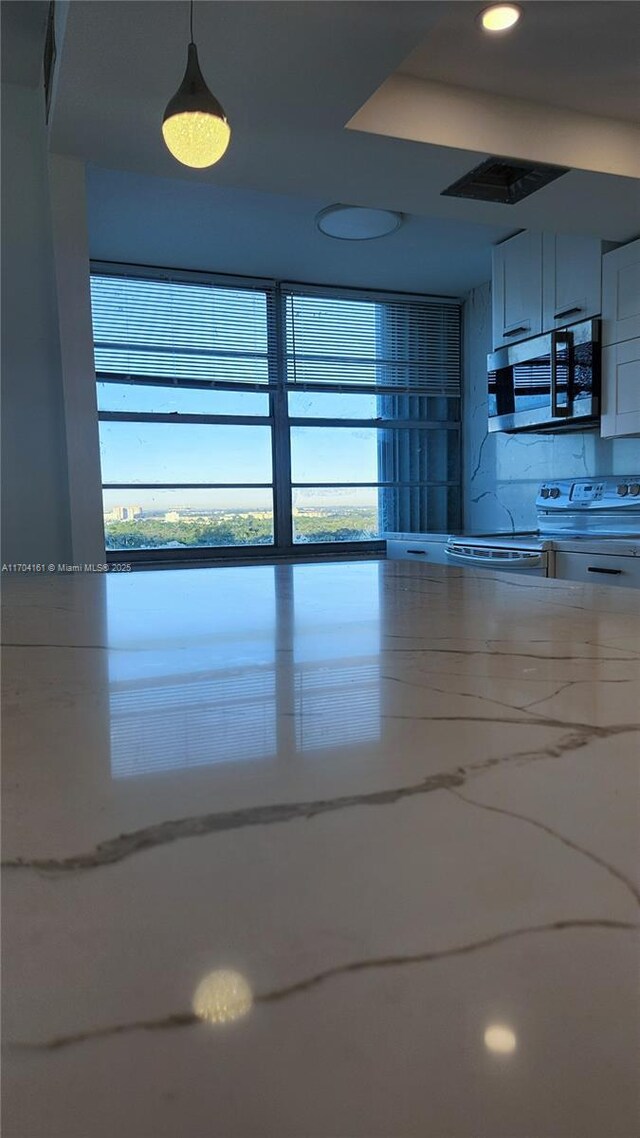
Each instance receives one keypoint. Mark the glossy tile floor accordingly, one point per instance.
(326, 851)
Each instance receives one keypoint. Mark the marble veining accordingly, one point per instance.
(189, 1019)
(401, 806)
(125, 845)
(626, 881)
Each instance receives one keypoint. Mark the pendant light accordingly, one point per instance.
(195, 127)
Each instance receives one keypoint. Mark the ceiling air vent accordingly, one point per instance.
(504, 180)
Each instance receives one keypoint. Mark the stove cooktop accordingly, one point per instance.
(628, 544)
(592, 514)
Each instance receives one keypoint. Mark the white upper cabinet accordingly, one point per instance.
(571, 279)
(544, 281)
(517, 288)
(621, 294)
(621, 340)
(621, 389)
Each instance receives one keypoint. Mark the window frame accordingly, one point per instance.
(279, 421)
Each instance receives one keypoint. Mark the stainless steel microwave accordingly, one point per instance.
(548, 383)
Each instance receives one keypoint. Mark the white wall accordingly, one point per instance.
(502, 472)
(35, 495)
(71, 258)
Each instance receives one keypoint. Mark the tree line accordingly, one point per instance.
(244, 529)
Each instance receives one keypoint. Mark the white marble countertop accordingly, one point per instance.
(399, 804)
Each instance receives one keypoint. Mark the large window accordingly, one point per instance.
(247, 413)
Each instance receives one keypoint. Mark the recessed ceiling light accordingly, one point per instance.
(355, 223)
(500, 17)
(500, 1039)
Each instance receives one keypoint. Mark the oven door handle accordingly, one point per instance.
(495, 560)
(566, 338)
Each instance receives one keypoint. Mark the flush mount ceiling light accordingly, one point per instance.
(195, 127)
(355, 223)
(500, 17)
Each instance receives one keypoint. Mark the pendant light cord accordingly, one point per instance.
(191, 20)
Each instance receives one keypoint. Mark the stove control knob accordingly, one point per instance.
(554, 492)
(544, 493)
(623, 490)
(634, 489)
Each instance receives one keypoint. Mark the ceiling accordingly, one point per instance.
(291, 74)
(582, 56)
(561, 87)
(167, 222)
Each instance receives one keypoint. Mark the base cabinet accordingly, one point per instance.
(418, 550)
(598, 569)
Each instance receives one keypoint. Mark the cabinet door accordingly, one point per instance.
(621, 294)
(621, 389)
(598, 569)
(517, 289)
(571, 279)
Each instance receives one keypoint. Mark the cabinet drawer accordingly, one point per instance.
(423, 551)
(598, 569)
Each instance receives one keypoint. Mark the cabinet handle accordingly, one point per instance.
(515, 331)
(600, 569)
(565, 338)
(567, 312)
(422, 552)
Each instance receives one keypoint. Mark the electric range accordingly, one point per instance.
(594, 516)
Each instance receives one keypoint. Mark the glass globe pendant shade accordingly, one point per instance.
(195, 127)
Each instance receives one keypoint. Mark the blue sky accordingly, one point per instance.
(167, 452)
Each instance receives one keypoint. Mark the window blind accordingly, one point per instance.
(393, 345)
(175, 330)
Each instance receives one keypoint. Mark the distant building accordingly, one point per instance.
(172, 516)
(123, 514)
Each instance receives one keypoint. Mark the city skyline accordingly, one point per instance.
(248, 499)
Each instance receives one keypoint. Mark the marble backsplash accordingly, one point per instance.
(501, 472)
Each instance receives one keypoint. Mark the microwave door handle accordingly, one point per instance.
(566, 338)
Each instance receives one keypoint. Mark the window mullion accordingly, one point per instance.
(281, 441)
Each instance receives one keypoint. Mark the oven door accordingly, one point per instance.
(489, 557)
(549, 383)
